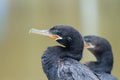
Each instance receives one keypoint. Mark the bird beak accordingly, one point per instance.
(45, 33)
(88, 45)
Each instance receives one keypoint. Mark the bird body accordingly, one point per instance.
(105, 76)
(102, 50)
(64, 68)
(62, 63)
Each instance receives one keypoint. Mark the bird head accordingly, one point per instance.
(96, 44)
(63, 34)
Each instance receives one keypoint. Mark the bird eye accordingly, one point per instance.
(55, 32)
(87, 40)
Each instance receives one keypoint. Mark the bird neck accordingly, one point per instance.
(105, 60)
(74, 50)
(52, 56)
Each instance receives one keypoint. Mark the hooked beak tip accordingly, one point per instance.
(32, 30)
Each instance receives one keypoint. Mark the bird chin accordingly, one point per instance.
(61, 42)
(59, 38)
(90, 46)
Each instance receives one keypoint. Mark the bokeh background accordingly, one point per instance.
(20, 52)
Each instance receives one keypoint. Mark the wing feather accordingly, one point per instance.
(70, 69)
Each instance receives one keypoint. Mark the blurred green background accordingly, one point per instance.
(20, 52)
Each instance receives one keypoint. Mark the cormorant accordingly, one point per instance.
(102, 50)
(62, 62)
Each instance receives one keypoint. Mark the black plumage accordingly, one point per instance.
(102, 50)
(62, 62)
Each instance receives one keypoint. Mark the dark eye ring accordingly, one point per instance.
(55, 32)
(87, 40)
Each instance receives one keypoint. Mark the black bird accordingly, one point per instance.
(62, 62)
(102, 50)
